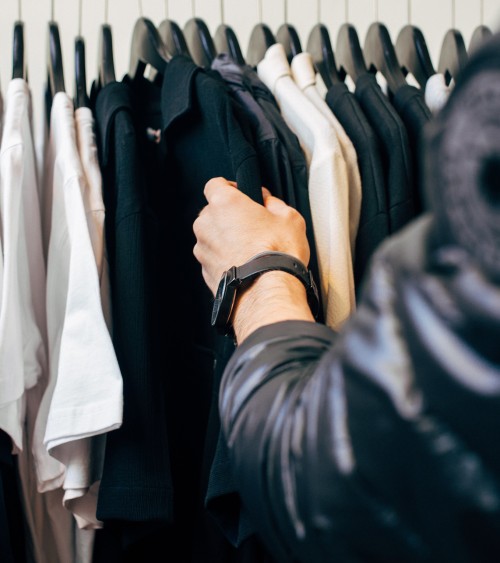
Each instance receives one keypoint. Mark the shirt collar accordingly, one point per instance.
(177, 91)
(113, 98)
(303, 70)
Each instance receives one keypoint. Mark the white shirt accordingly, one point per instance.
(437, 92)
(22, 312)
(328, 185)
(45, 515)
(304, 74)
(84, 470)
(84, 395)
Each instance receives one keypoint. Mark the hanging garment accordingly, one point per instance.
(411, 107)
(22, 350)
(23, 294)
(87, 397)
(374, 218)
(136, 487)
(396, 153)
(93, 202)
(83, 456)
(274, 163)
(305, 77)
(328, 186)
(13, 539)
(84, 393)
(437, 92)
(19, 180)
(200, 126)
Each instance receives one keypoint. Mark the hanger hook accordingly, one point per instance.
(319, 11)
(376, 10)
(222, 11)
(285, 10)
(106, 13)
(141, 13)
(19, 12)
(347, 11)
(482, 12)
(52, 10)
(166, 9)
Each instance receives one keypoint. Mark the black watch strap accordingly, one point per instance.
(269, 261)
(240, 277)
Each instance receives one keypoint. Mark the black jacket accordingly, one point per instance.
(379, 444)
(374, 219)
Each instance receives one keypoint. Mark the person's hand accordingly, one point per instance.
(232, 228)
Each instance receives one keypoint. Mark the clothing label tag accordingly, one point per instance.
(150, 73)
(153, 135)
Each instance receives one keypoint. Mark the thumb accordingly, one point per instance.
(273, 204)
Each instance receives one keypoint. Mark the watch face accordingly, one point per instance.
(224, 301)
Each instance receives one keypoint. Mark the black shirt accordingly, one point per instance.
(410, 104)
(374, 219)
(273, 159)
(396, 153)
(136, 482)
(12, 523)
(203, 140)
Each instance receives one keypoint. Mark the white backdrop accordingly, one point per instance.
(434, 17)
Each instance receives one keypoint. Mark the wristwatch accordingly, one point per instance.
(240, 277)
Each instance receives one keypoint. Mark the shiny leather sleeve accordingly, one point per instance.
(379, 443)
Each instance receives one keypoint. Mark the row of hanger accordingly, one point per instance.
(155, 46)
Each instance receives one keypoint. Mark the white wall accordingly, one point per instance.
(434, 17)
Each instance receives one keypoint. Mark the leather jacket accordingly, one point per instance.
(380, 443)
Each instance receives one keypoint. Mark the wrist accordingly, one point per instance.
(273, 297)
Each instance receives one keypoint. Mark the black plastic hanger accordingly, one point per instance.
(18, 59)
(105, 59)
(54, 61)
(81, 99)
(226, 42)
(479, 35)
(287, 35)
(413, 54)
(147, 49)
(349, 54)
(261, 39)
(320, 48)
(380, 56)
(453, 56)
(173, 38)
(200, 42)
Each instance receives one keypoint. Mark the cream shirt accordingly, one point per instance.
(328, 185)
